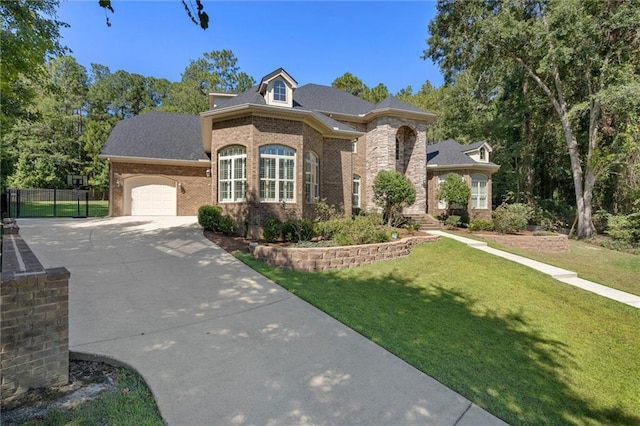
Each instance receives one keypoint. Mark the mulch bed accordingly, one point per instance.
(231, 244)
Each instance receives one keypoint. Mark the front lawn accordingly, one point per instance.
(525, 347)
(611, 268)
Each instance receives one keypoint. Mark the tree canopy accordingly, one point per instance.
(581, 57)
(352, 84)
(70, 112)
(393, 191)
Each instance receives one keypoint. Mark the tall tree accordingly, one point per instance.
(216, 71)
(30, 35)
(352, 84)
(584, 56)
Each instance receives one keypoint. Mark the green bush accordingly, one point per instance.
(481, 225)
(209, 217)
(411, 226)
(454, 191)
(294, 230)
(364, 229)
(511, 218)
(393, 191)
(227, 225)
(601, 221)
(553, 215)
(625, 228)
(453, 221)
(272, 230)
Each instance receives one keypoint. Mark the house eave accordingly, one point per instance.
(155, 161)
(414, 115)
(207, 119)
(365, 118)
(491, 167)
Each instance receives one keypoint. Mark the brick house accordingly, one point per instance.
(273, 150)
(472, 163)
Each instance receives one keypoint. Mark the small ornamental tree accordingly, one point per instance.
(453, 191)
(392, 191)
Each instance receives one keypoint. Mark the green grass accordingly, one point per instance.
(63, 208)
(611, 268)
(525, 347)
(130, 404)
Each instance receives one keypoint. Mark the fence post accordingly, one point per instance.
(55, 203)
(17, 203)
(8, 202)
(86, 205)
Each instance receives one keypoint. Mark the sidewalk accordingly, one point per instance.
(563, 275)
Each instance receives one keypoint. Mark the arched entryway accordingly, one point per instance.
(405, 142)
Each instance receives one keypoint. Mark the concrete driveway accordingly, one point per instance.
(219, 344)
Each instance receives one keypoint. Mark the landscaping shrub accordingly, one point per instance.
(453, 221)
(511, 218)
(553, 215)
(454, 191)
(272, 230)
(294, 230)
(601, 221)
(411, 225)
(625, 229)
(481, 225)
(327, 229)
(209, 217)
(227, 225)
(393, 191)
(364, 229)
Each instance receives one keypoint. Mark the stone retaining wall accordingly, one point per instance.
(34, 322)
(558, 243)
(326, 258)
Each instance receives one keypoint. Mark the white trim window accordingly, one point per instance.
(279, 91)
(479, 193)
(311, 177)
(483, 154)
(232, 174)
(355, 192)
(277, 173)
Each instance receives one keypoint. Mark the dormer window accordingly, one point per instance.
(483, 154)
(279, 91)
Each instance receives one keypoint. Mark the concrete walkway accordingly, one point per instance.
(218, 343)
(563, 275)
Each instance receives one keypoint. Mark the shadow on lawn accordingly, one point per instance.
(499, 362)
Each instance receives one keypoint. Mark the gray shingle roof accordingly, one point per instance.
(449, 153)
(315, 97)
(157, 135)
(250, 96)
(395, 103)
(473, 146)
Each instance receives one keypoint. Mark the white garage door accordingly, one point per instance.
(153, 199)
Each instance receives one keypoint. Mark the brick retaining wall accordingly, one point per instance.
(558, 243)
(326, 258)
(34, 322)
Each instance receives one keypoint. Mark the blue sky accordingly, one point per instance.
(316, 42)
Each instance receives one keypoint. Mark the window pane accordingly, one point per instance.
(240, 189)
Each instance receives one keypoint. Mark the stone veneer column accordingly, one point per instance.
(381, 144)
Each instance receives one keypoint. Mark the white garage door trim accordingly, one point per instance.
(151, 196)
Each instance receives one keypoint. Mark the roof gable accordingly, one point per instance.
(451, 153)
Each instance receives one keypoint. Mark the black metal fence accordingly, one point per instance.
(24, 203)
